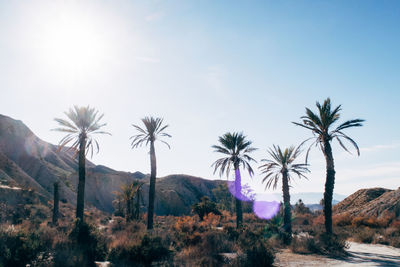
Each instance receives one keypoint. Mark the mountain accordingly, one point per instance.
(29, 163)
(308, 198)
(314, 197)
(370, 202)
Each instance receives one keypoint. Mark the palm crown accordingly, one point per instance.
(282, 161)
(237, 149)
(83, 123)
(153, 130)
(321, 124)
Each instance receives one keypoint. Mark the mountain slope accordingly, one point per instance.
(370, 202)
(31, 163)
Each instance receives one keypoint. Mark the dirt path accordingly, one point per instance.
(360, 255)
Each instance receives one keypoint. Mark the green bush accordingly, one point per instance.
(18, 247)
(205, 207)
(255, 248)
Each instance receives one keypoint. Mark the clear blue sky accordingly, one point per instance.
(209, 67)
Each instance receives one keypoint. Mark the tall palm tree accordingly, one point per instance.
(237, 149)
(153, 130)
(321, 124)
(83, 124)
(280, 167)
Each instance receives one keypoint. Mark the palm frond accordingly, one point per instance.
(320, 126)
(83, 122)
(237, 149)
(153, 130)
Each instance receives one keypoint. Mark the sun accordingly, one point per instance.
(72, 44)
(69, 41)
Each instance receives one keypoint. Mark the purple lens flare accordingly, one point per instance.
(266, 209)
(266, 206)
(244, 193)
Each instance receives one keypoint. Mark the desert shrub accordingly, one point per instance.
(210, 221)
(319, 220)
(342, 220)
(19, 247)
(256, 250)
(187, 232)
(364, 235)
(330, 245)
(392, 236)
(208, 250)
(371, 221)
(231, 231)
(302, 219)
(204, 207)
(84, 245)
(395, 224)
(303, 244)
(320, 243)
(149, 249)
(301, 208)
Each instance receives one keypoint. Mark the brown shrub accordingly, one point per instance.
(342, 220)
(364, 235)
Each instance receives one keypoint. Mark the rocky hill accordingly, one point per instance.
(370, 202)
(32, 164)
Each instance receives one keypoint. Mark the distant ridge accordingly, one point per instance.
(28, 162)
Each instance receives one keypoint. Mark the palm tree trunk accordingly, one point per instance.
(152, 189)
(287, 218)
(81, 184)
(55, 203)
(238, 191)
(329, 185)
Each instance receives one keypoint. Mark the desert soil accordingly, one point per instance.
(359, 255)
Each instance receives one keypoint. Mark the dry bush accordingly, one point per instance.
(254, 249)
(392, 235)
(207, 252)
(211, 220)
(320, 243)
(302, 219)
(341, 220)
(395, 224)
(364, 235)
(147, 250)
(319, 220)
(371, 221)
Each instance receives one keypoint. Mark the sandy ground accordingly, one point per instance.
(360, 255)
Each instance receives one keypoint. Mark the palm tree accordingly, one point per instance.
(127, 194)
(138, 196)
(280, 167)
(237, 149)
(320, 124)
(83, 124)
(153, 130)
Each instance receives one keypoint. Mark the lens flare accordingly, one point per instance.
(244, 192)
(266, 209)
(33, 148)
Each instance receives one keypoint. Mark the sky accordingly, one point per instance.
(209, 67)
